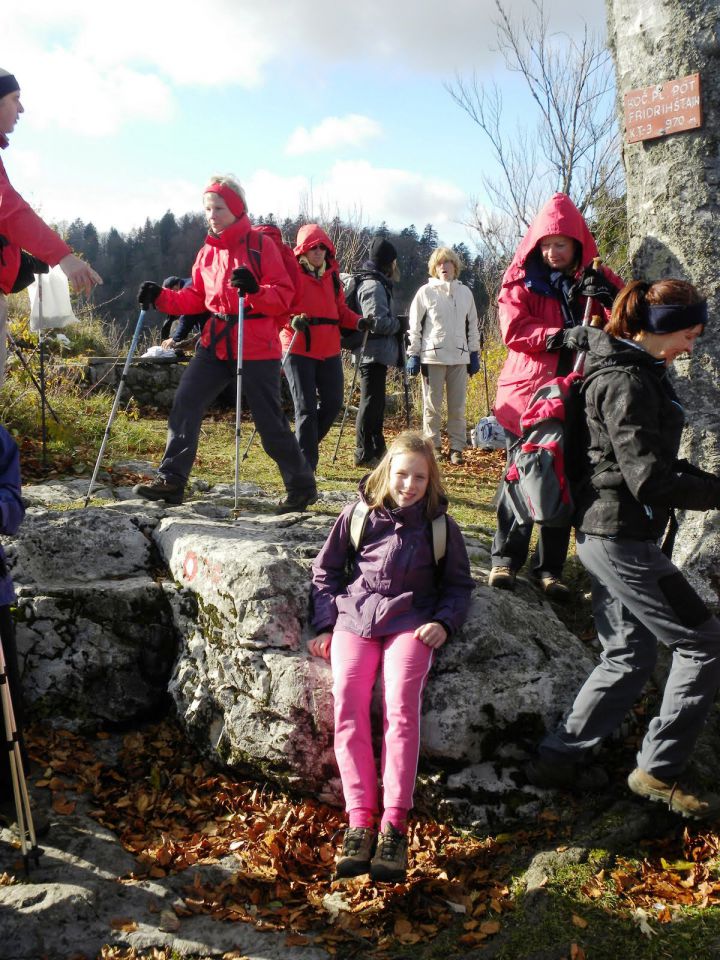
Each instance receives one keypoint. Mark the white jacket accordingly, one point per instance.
(443, 323)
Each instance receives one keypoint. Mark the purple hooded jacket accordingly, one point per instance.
(394, 585)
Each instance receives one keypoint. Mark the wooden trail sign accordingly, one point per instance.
(663, 109)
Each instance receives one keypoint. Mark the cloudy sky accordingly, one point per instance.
(340, 107)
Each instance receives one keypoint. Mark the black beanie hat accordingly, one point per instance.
(382, 253)
(8, 83)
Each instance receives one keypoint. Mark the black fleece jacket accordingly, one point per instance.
(635, 422)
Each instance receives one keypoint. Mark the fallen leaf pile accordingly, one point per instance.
(172, 811)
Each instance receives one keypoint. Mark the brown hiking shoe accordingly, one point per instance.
(679, 801)
(503, 578)
(553, 588)
(160, 489)
(390, 861)
(357, 850)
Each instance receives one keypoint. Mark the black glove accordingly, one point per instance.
(29, 266)
(366, 323)
(299, 322)
(148, 294)
(595, 285)
(575, 338)
(244, 281)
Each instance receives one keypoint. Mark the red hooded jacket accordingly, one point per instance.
(527, 317)
(211, 290)
(319, 298)
(24, 230)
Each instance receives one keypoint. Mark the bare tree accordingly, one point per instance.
(572, 145)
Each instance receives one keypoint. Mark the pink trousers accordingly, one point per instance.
(405, 663)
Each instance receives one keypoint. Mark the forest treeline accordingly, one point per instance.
(168, 246)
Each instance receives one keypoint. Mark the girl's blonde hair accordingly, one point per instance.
(439, 255)
(377, 485)
(225, 180)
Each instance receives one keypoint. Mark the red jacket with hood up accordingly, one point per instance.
(527, 317)
(24, 230)
(210, 290)
(319, 297)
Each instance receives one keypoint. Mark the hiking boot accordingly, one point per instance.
(565, 775)
(679, 801)
(456, 457)
(296, 502)
(370, 463)
(160, 489)
(553, 588)
(503, 578)
(357, 850)
(390, 861)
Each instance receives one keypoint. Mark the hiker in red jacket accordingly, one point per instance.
(235, 261)
(314, 370)
(542, 294)
(23, 232)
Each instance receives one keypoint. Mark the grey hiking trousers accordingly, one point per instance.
(204, 380)
(639, 598)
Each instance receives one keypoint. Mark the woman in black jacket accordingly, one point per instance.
(635, 480)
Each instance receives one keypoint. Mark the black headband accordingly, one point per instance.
(671, 317)
(8, 84)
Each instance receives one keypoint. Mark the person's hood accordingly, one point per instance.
(604, 351)
(309, 236)
(559, 215)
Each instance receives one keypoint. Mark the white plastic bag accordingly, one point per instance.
(55, 309)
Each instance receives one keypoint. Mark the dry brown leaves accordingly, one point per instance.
(173, 812)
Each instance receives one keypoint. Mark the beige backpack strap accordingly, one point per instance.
(358, 519)
(439, 537)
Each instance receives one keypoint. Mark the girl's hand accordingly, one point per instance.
(320, 646)
(432, 634)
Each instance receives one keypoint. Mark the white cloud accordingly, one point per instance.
(359, 191)
(333, 133)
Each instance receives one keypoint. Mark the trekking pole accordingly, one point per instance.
(116, 402)
(238, 393)
(587, 316)
(17, 773)
(282, 367)
(485, 375)
(403, 359)
(352, 390)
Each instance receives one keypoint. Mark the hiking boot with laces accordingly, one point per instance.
(296, 502)
(168, 490)
(456, 457)
(503, 578)
(390, 861)
(553, 588)
(559, 775)
(689, 805)
(357, 850)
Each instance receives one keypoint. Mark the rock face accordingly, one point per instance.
(95, 630)
(674, 219)
(225, 632)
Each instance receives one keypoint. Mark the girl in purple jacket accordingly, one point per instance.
(386, 610)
